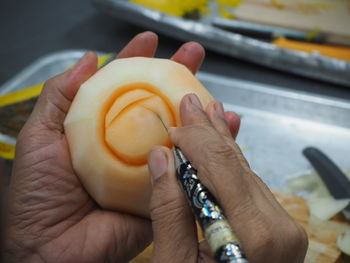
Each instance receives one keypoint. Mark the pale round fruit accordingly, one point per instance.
(114, 121)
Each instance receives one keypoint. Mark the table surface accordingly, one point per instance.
(30, 29)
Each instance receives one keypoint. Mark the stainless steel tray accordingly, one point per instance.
(277, 123)
(228, 43)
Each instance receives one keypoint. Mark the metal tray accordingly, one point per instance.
(277, 123)
(310, 65)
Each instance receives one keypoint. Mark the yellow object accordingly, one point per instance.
(181, 7)
(35, 90)
(7, 151)
(308, 8)
(101, 60)
(277, 4)
(313, 34)
(342, 53)
(174, 7)
(225, 7)
(230, 3)
(21, 95)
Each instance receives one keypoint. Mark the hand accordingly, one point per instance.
(51, 217)
(266, 232)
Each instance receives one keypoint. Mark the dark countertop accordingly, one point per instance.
(30, 29)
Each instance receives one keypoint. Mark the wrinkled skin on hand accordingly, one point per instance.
(51, 217)
(266, 232)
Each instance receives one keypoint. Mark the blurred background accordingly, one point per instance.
(30, 29)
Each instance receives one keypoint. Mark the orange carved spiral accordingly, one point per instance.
(131, 122)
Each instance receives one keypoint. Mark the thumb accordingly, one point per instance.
(174, 229)
(58, 94)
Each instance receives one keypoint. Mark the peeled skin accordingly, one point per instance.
(114, 121)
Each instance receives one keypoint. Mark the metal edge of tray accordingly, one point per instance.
(278, 100)
(269, 98)
(16, 82)
(310, 65)
(28, 75)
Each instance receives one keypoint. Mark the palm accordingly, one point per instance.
(68, 224)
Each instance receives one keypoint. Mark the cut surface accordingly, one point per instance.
(134, 120)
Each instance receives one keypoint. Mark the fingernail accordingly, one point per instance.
(190, 47)
(147, 32)
(219, 109)
(147, 35)
(158, 164)
(82, 60)
(195, 101)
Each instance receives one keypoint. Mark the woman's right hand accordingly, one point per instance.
(266, 232)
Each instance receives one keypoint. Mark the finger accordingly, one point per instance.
(131, 234)
(111, 237)
(234, 122)
(142, 45)
(58, 94)
(226, 123)
(207, 149)
(174, 230)
(214, 125)
(191, 55)
(194, 115)
(216, 114)
(191, 111)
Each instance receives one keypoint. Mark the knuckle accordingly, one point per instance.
(54, 82)
(260, 183)
(273, 240)
(264, 239)
(50, 82)
(167, 214)
(166, 202)
(293, 231)
(239, 205)
(220, 150)
(164, 207)
(296, 237)
(218, 154)
(192, 135)
(290, 237)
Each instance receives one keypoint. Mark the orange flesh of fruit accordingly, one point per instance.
(131, 109)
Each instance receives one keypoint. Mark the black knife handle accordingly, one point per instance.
(336, 181)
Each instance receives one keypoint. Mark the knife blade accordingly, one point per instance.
(335, 180)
